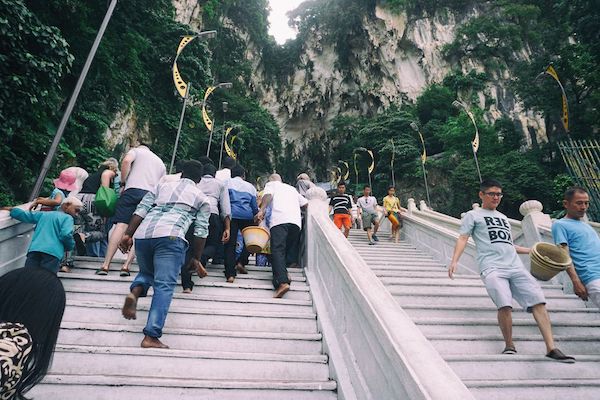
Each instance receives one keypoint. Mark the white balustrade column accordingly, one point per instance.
(411, 206)
(533, 219)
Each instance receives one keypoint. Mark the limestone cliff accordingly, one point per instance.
(399, 58)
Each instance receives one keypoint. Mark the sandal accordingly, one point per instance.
(559, 356)
(124, 272)
(509, 350)
(101, 271)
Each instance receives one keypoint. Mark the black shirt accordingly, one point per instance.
(341, 203)
(93, 182)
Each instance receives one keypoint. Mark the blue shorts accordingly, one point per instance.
(127, 204)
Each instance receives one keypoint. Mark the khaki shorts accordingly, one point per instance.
(517, 283)
(369, 219)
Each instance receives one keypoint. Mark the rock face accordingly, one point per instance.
(399, 58)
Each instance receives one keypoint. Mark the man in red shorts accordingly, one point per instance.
(341, 203)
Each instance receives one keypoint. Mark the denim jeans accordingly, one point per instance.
(159, 260)
(37, 259)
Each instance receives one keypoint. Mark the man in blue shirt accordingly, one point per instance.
(582, 243)
(160, 223)
(53, 233)
(242, 198)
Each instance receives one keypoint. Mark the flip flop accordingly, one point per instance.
(509, 350)
(124, 272)
(102, 272)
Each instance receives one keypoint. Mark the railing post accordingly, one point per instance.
(411, 206)
(317, 204)
(533, 219)
(423, 206)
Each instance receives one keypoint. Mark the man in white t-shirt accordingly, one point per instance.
(285, 223)
(502, 271)
(141, 170)
(369, 215)
(224, 174)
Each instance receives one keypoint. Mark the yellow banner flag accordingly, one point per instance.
(565, 106)
(205, 117)
(228, 148)
(475, 142)
(372, 166)
(180, 84)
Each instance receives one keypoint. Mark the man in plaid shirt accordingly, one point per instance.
(160, 223)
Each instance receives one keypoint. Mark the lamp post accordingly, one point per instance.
(225, 106)
(356, 150)
(415, 127)
(67, 114)
(182, 87)
(210, 124)
(475, 142)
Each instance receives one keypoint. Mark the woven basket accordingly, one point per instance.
(547, 260)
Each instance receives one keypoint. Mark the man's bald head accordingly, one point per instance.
(275, 178)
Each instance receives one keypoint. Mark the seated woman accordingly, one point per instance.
(392, 207)
(31, 310)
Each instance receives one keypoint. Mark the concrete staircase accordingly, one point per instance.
(228, 341)
(459, 319)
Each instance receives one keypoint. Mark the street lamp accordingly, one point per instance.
(207, 121)
(415, 127)
(182, 87)
(371, 167)
(225, 106)
(65, 118)
(475, 142)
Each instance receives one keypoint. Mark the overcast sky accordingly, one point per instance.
(278, 21)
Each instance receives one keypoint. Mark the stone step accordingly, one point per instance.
(254, 278)
(472, 326)
(449, 288)
(97, 284)
(213, 270)
(197, 299)
(570, 314)
(406, 265)
(103, 334)
(526, 344)
(95, 263)
(196, 318)
(454, 283)
(425, 269)
(170, 363)
(516, 367)
(535, 389)
(123, 387)
(430, 298)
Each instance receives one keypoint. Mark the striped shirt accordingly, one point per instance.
(172, 209)
(341, 203)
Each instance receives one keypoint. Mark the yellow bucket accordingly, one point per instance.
(256, 238)
(547, 260)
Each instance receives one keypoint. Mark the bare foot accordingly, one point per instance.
(129, 308)
(230, 279)
(281, 290)
(64, 268)
(187, 291)
(241, 269)
(150, 342)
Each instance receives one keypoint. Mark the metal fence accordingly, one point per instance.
(582, 158)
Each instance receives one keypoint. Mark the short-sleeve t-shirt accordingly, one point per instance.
(368, 204)
(341, 203)
(492, 235)
(286, 203)
(146, 170)
(584, 246)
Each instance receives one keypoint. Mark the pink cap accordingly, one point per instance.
(66, 181)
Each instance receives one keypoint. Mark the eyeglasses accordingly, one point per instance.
(494, 194)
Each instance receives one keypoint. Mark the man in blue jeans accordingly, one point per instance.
(160, 223)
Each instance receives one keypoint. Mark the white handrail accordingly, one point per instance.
(376, 351)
